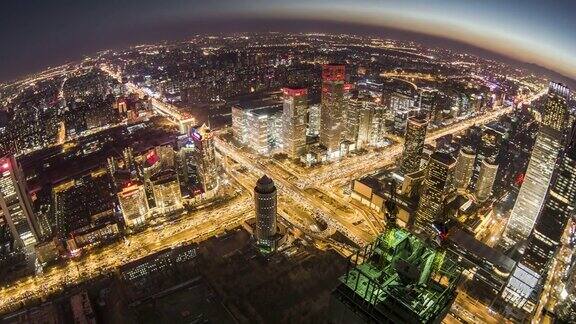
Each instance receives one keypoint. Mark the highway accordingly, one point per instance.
(193, 227)
(197, 226)
(317, 208)
(355, 166)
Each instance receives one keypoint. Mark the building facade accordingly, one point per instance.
(485, 183)
(205, 156)
(294, 111)
(413, 145)
(539, 173)
(464, 168)
(134, 204)
(166, 189)
(332, 109)
(431, 205)
(15, 208)
(265, 201)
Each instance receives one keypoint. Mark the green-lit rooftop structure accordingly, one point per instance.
(399, 278)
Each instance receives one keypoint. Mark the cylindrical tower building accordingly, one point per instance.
(265, 205)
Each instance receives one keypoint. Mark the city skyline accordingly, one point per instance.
(289, 177)
(529, 32)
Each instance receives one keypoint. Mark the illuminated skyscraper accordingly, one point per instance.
(464, 168)
(205, 156)
(491, 142)
(540, 168)
(526, 283)
(294, 113)
(438, 175)
(134, 204)
(332, 110)
(485, 183)
(413, 144)
(15, 207)
(556, 110)
(265, 201)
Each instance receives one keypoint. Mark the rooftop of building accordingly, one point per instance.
(401, 274)
(265, 185)
(260, 107)
(470, 244)
(443, 158)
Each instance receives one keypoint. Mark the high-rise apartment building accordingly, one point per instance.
(438, 176)
(464, 168)
(332, 109)
(15, 207)
(413, 144)
(295, 109)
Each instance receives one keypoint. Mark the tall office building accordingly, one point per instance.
(438, 176)
(134, 204)
(295, 109)
(413, 144)
(490, 144)
(558, 208)
(265, 201)
(205, 156)
(485, 183)
(556, 110)
(259, 126)
(540, 168)
(15, 207)
(332, 109)
(166, 190)
(464, 168)
(524, 287)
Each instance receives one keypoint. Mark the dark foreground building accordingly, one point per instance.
(397, 279)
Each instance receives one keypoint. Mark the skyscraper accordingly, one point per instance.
(265, 201)
(15, 206)
(525, 285)
(490, 144)
(294, 113)
(485, 183)
(431, 204)
(558, 208)
(464, 168)
(205, 156)
(413, 144)
(540, 168)
(332, 109)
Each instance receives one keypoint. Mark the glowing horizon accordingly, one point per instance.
(542, 50)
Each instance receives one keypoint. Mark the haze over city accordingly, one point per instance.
(531, 31)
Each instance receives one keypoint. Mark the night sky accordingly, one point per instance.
(38, 33)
